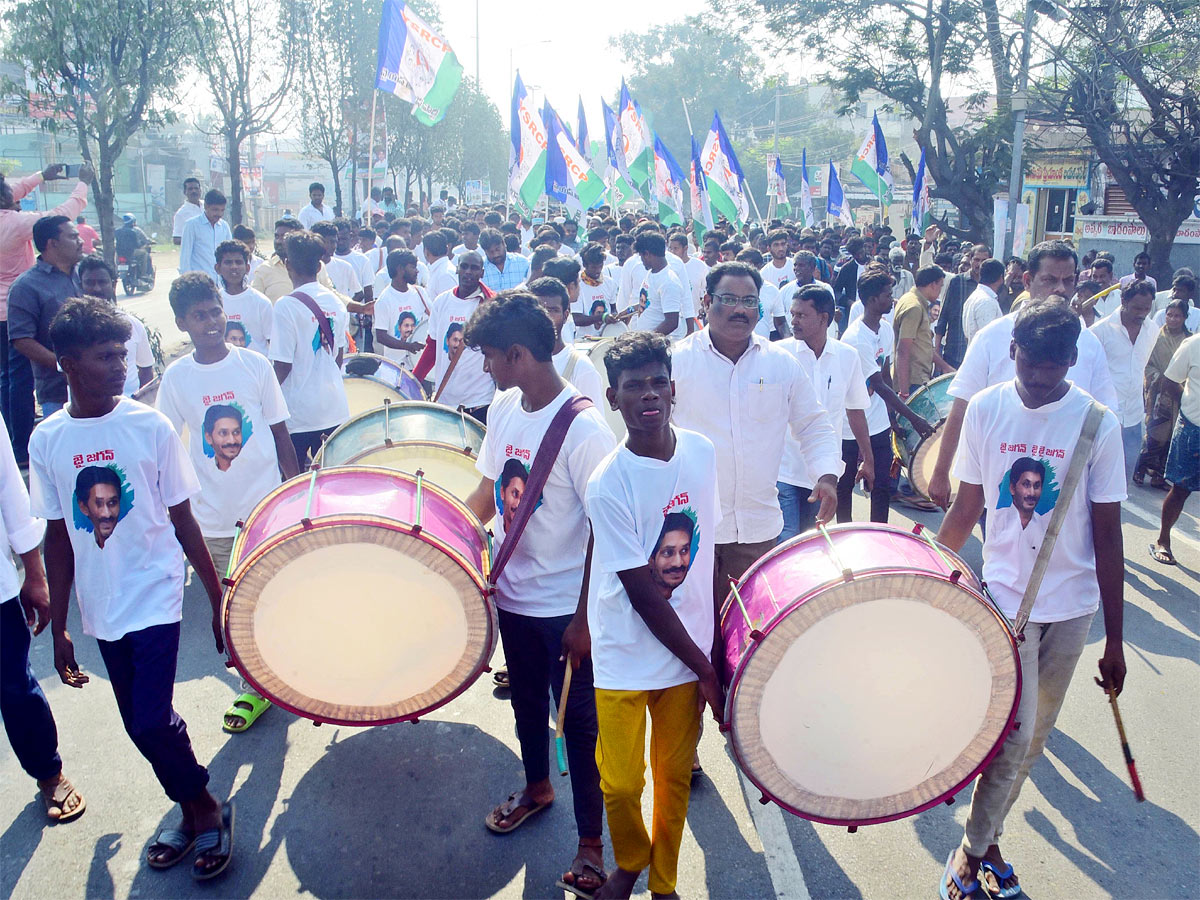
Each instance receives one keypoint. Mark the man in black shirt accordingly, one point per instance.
(951, 340)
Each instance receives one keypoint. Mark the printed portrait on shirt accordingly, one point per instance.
(643, 303)
(405, 326)
(676, 547)
(226, 430)
(599, 308)
(1029, 488)
(235, 334)
(316, 341)
(452, 343)
(510, 490)
(102, 499)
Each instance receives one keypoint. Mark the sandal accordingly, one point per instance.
(258, 705)
(968, 891)
(500, 677)
(172, 839)
(56, 797)
(1162, 556)
(215, 843)
(1001, 893)
(506, 810)
(579, 870)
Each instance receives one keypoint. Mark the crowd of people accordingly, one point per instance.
(760, 375)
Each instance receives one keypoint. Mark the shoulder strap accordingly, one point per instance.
(1079, 457)
(323, 325)
(572, 362)
(543, 462)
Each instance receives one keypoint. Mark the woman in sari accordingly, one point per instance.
(1161, 409)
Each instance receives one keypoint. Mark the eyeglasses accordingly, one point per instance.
(731, 301)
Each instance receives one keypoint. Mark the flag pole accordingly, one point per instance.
(371, 151)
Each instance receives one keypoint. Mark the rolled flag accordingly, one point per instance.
(668, 185)
(527, 152)
(582, 143)
(920, 198)
(870, 166)
(806, 210)
(782, 206)
(702, 218)
(836, 207)
(638, 145)
(724, 173)
(570, 179)
(416, 63)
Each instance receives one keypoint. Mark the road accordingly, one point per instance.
(154, 308)
(397, 811)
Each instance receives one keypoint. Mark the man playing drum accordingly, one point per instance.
(1044, 412)
(541, 593)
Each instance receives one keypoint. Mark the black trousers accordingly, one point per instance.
(27, 717)
(532, 647)
(881, 449)
(309, 443)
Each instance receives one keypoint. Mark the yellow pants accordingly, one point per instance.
(620, 755)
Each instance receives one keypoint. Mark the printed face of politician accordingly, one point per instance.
(510, 496)
(671, 559)
(226, 440)
(407, 327)
(102, 508)
(1026, 494)
(454, 341)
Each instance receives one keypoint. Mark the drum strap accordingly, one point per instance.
(323, 324)
(572, 362)
(1079, 458)
(543, 462)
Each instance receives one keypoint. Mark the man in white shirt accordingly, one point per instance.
(307, 347)
(777, 271)
(597, 293)
(470, 241)
(745, 394)
(902, 278)
(441, 272)
(772, 310)
(804, 270)
(566, 270)
(402, 311)
(316, 210)
(982, 305)
(696, 267)
(573, 365)
(1183, 287)
(343, 275)
(632, 273)
(189, 210)
(1031, 424)
(836, 374)
(202, 234)
(98, 279)
(348, 253)
(247, 310)
(1128, 338)
(662, 303)
(541, 593)
(1051, 272)
(1181, 379)
(1141, 265)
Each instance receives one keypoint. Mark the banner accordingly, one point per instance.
(415, 63)
(668, 185)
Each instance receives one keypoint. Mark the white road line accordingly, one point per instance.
(786, 876)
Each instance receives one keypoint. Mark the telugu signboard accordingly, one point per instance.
(1107, 228)
(1060, 173)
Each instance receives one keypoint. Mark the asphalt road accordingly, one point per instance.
(397, 811)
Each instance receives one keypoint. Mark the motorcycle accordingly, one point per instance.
(132, 278)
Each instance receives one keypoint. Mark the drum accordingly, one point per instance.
(370, 379)
(594, 348)
(394, 423)
(871, 676)
(358, 597)
(445, 466)
(612, 329)
(931, 402)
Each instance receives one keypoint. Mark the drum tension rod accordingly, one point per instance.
(847, 572)
(306, 520)
(420, 488)
(755, 634)
(387, 421)
(955, 572)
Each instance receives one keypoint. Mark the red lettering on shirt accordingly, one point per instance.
(84, 459)
(679, 499)
(518, 452)
(209, 400)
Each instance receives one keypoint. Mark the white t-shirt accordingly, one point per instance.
(981, 308)
(441, 277)
(631, 500)
(343, 275)
(874, 352)
(998, 431)
(1184, 368)
(697, 271)
(139, 354)
(135, 580)
(856, 312)
(584, 376)
(389, 307)
(182, 215)
(777, 275)
(661, 293)
(544, 576)
(838, 380)
(244, 390)
(770, 305)
(988, 362)
(470, 386)
(310, 215)
(631, 276)
(358, 261)
(315, 395)
(592, 296)
(254, 312)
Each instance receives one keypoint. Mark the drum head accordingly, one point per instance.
(875, 699)
(921, 465)
(445, 466)
(418, 638)
(365, 394)
(595, 350)
(397, 422)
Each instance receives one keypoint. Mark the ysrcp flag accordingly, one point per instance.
(527, 152)
(702, 219)
(836, 206)
(668, 185)
(638, 144)
(724, 174)
(569, 177)
(782, 206)
(416, 63)
(806, 210)
(870, 166)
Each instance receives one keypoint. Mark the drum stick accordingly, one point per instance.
(560, 745)
(1133, 774)
(1092, 300)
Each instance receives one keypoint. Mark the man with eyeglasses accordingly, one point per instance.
(744, 394)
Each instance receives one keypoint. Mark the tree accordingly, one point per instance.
(249, 66)
(101, 66)
(1128, 75)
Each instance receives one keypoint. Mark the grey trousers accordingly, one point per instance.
(1048, 658)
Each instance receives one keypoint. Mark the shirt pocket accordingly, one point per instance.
(765, 403)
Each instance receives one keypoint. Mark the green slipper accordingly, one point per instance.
(257, 706)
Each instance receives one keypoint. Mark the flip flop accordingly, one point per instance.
(968, 890)
(216, 842)
(1162, 556)
(507, 808)
(583, 870)
(1005, 893)
(258, 705)
(69, 792)
(179, 842)
(500, 677)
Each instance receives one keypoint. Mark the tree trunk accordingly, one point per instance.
(354, 171)
(337, 184)
(104, 203)
(233, 158)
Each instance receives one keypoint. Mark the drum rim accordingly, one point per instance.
(735, 684)
(473, 424)
(906, 426)
(387, 362)
(918, 454)
(487, 648)
(464, 452)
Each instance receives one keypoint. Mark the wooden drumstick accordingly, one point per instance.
(1133, 774)
(560, 745)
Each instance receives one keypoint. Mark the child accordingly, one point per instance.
(653, 509)
(117, 471)
(243, 304)
(231, 403)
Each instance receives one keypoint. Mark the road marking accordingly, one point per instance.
(786, 875)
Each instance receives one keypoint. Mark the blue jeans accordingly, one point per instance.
(27, 716)
(1131, 441)
(798, 514)
(50, 407)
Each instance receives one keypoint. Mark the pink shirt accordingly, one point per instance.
(88, 235)
(16, 232)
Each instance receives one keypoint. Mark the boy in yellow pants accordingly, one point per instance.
(653, 508)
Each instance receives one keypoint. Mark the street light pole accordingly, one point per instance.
(1020, 102)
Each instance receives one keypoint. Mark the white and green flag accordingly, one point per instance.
(871, 165)
(416, 63)
(726, 181)
(527, 152)
(638, 143)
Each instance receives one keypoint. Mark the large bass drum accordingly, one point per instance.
(871, 676)
(396, 423)
(370, 380)
(919, 455)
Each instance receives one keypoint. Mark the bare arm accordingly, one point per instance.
(577, 638)
(962, 517)
(35, 352)
(858, 426)
(669, 323)
(482, 500)
(282, 370)
(904, 365)
(60, 569)
(898, 406)
(145, 375)
(1110, 573)
(939, 481)
(387, 340)
(187, 532)
(285, 451)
